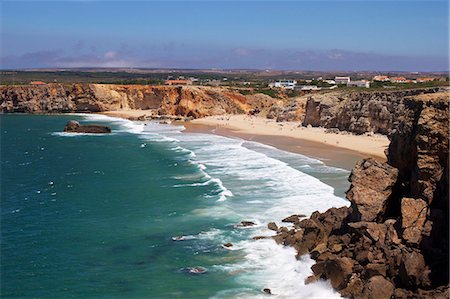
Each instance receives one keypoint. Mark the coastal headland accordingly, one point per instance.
(392, 240)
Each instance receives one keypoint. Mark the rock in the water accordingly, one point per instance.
(182, 238)
(311, 279)
(75, 127)
(339, 270)
(193, 270)
(267, 291)
(245, 224)
(272, 226)
(293, 218)
(227, 245)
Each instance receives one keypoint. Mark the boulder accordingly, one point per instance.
(311, 279)
(374, 269)
(272, 226)
(391, 237)
(245, 224)
(378, 287)
(375, 231)
(372, 184)
(75, 127)
(354, 287)
(414, 214)
(293, 218)
(413, 271)
(339, 270)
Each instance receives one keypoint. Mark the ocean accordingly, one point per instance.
(134, 213)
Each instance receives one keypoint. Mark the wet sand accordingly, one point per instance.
(329, 154)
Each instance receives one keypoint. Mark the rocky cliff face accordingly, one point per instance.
(393, 240)
(359, 112)
(170, 100)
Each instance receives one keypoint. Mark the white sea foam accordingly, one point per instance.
(262, 184)
(267, 186)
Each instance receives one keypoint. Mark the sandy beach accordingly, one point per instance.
(341, 150)
(370, 145)
(128, 114)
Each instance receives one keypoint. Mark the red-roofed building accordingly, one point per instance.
(381, 78)
(37, 83)
(399, 80)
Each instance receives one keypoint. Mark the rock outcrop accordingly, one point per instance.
(393, 240)
(190, 101)
(359, 112)
(73, 126)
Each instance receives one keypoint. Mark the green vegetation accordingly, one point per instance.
(267, 91)
(384, 85)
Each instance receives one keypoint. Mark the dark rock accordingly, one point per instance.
(261, 237)
(414, 214)
(372, 184)
(311, 279)
(272, 226)
(354, 287)
(75, 127)
(293, 218)
(413, 271)
(374, 269)
(227, 245)
(245, 224)
(267, 291)
(339, 270)
(402, 293)
(378, 287)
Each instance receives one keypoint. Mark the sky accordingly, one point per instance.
(318, 35)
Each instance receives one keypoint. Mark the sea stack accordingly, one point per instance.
(73, 126)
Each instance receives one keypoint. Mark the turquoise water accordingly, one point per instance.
(93, 216)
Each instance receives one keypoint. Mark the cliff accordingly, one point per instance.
(359, 111)
(192, 101)
(393, 240)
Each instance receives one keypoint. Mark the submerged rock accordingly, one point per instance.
(194, 270)
(245, 224)
(74, 127)
(267, 291)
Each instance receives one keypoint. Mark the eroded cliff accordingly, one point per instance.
(393, 240)
(192, 101)
(359, 111)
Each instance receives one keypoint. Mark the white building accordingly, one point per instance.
(360, 83)
(287, 84)
(342, 80)
(309, 87)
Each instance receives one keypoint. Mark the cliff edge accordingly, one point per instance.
(393, 240)
(194, 101)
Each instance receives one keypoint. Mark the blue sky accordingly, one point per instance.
(302, 35)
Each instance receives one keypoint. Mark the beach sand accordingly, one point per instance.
(340, 150)
(128, 114)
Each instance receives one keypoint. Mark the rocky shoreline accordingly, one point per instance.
(393, 240)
